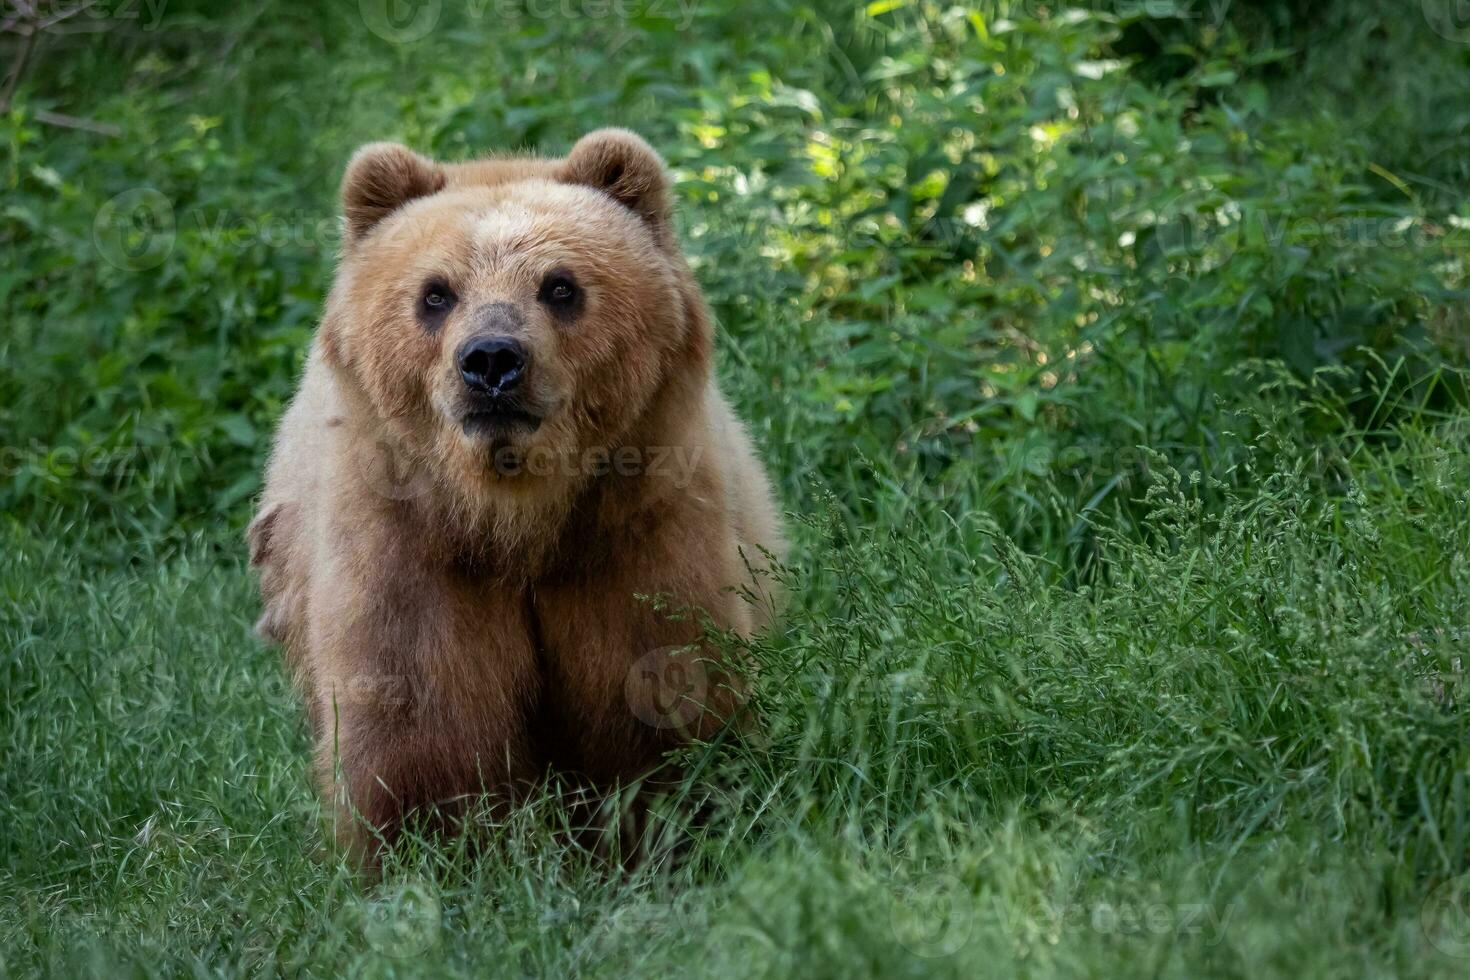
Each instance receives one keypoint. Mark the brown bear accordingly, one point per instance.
(506, 446)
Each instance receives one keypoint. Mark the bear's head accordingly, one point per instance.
(507, 320)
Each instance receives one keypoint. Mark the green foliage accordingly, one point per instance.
(992, 228)
(1243, 752)
(1111, 360)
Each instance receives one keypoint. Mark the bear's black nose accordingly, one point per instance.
(493, 365)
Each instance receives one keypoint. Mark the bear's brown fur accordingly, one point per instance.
(460, 577)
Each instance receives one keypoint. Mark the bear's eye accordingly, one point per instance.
(436, 302)
(559, 292)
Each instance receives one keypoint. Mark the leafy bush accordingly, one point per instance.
(983, 235)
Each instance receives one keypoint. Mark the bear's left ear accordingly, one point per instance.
(619, 163)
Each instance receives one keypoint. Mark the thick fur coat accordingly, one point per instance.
(506, 440)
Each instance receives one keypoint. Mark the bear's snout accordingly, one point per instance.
(493, 365)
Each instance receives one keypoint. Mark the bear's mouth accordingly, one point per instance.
(497, 419)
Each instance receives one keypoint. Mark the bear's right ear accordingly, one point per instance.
(380, 179)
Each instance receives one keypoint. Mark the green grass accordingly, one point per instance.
(1239, 753)
(1129, 486)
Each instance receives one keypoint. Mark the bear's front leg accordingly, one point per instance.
(425, 681)
(626, 680)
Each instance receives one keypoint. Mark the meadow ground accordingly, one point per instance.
(1110, 361)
